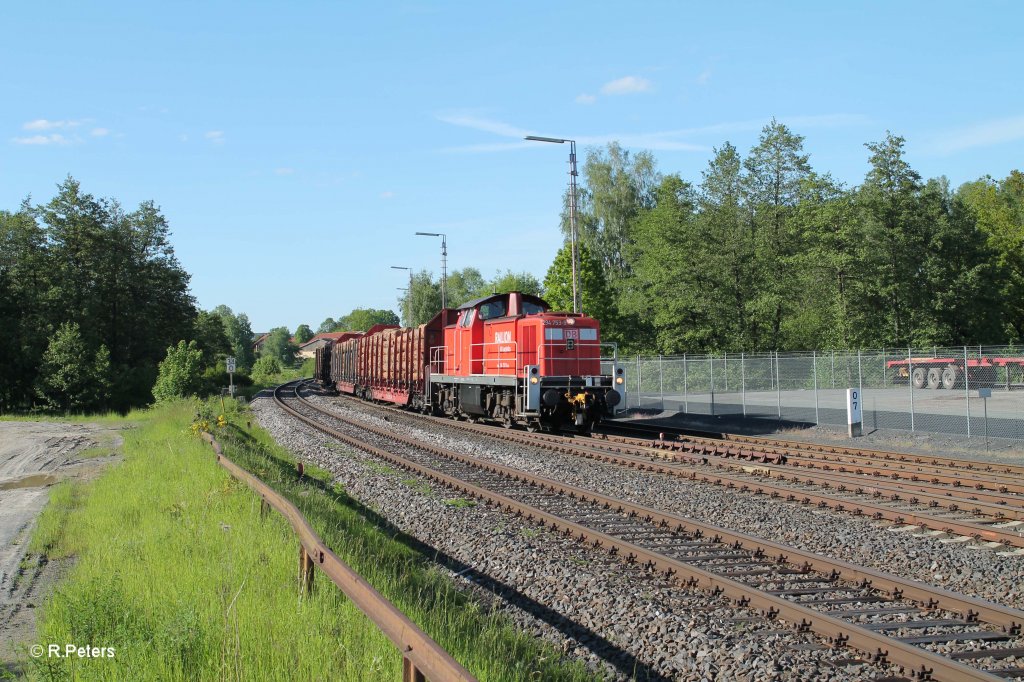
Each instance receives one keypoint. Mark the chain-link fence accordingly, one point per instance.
(964, 390)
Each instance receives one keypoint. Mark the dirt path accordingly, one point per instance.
(34, 456)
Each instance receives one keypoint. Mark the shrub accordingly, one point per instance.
(179, 373)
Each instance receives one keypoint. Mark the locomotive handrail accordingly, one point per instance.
(422, 657)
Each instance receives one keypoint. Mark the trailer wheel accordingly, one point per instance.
(934, 377)
(950, 376)
(919, 377)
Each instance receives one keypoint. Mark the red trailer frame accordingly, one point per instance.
(950, 372)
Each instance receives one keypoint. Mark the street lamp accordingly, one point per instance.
(408, 298)
(572, 210)
(444, 264)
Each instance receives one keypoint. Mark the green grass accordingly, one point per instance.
(175, 568)
(486, 643)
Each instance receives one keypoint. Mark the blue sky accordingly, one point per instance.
(295, 148)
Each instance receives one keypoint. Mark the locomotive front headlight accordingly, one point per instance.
(534, 380)
(618, 380)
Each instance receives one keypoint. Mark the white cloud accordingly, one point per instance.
(183, 137)
(489, 147)
(626, 86)
(584, 98)
(387, 195)
(468, 120)
(704, 77)
(983, 134)
(53, 138)
(284, 170)
(44, 124)
(215, 136)
(100, 132)
(680, 139)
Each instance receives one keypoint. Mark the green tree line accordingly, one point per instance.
(93, 299)
(766, 253)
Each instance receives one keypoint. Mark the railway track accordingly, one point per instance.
(888, 619)
(945, 512)
(962, 473)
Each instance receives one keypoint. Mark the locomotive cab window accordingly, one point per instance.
(530, 308)
(493, 309)
(553, 333)
(467, 319)
(588, 335)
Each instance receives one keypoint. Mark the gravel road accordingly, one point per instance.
(33, 456)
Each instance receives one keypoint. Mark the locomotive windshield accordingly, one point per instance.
(493, 309)
(531, 308)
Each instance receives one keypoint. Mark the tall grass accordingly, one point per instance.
(177, 571)
(485, 642)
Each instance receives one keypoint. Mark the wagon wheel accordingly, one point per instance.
(950, 376)
(919, 377)
(934, 377)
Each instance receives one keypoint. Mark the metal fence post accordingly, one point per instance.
(883, 367)
(778, 384)
(814, 371)
(833, 369)
(727, 371)
(639, 382)
(743, 383)
(910, 382)
(305, 571)
(661, 377)
(686, 393)
(967, 392)
(711, 361)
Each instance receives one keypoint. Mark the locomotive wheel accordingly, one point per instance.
(949, 377)
(507, 422)
(533, 426)
(934, 378)
(919, 377)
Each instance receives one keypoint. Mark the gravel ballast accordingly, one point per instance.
(962, 568)
(621, 619)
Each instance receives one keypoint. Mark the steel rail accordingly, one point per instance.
(998, 506)
(981, 471)
(422, 657)
(885, 455)
(959, 478)
(880, 647)
(926, 521)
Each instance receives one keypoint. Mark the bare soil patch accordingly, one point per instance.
(33, 457)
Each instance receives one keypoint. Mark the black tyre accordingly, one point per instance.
(950, 377)
(934, 377)
(919, 377)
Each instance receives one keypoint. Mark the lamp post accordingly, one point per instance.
(572, 211)
(408, 297)
(444, 264)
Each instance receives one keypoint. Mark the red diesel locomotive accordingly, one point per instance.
(504, 358)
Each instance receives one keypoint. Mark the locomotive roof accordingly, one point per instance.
(483, 299)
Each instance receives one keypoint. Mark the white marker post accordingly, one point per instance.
(985, 394)
(854, 418)
(231, 376)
